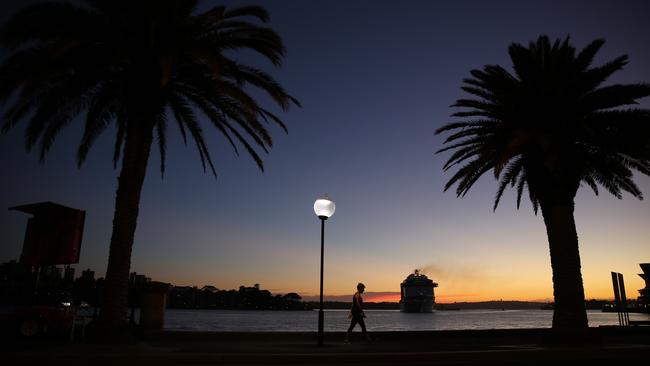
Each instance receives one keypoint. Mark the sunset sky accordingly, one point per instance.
(375, 79)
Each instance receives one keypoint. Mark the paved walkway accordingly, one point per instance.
(526, 346)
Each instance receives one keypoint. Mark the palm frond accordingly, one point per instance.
(461, 155)
(102, 110)
(215, 117)
(250, 10)
(586, 56)
(521, 184)
(261, 80)
(161, 132)
(464, 124)
(184, 114)
(268, 115)
(551, 124)
(513, 170)
(592, 78)
(58, 71)
(476, 140)
(589, 180)
(121, 122)
(615, 96)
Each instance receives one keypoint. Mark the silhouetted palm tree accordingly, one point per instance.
(133, 64)
(550, 127)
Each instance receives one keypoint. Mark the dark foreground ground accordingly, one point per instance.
(610, 345)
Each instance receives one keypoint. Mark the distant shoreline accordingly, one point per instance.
(500, 305)
(342, 305)
(479, 305)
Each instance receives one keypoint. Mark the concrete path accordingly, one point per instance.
(511, 347)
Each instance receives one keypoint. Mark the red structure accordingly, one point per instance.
(53, 234)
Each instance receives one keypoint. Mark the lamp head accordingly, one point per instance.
(324, 208)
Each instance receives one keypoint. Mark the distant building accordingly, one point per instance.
(138, 280)
(182, 297)
(52, 273)
(13, 271)
(88, 275)
(68, 276)
(417, 294)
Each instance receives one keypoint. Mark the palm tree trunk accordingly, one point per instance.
(569, 310)
(127, 200)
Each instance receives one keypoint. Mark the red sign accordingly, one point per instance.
(53, 234)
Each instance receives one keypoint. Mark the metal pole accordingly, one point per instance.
(621, 286)
(617, 297)
(322, 252)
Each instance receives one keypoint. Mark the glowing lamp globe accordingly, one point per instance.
(324, 208)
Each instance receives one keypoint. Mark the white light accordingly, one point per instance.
(324, 207)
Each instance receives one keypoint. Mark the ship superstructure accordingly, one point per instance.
(417, 294)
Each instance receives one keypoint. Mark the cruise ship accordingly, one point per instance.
(417, 294)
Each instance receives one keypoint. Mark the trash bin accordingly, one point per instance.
(152, 307)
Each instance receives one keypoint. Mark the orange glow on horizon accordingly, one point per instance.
(382, 297)
(395, 297)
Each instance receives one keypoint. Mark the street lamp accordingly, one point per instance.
(324, 209)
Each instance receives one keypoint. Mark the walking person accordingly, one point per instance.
(356, 314)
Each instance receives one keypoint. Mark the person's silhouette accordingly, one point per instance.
(356, 314)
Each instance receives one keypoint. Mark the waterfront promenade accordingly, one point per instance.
(521, 346)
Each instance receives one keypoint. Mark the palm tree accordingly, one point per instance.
(551, 127)
(134, 65)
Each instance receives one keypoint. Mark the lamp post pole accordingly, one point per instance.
(324, 209)
(322, 256)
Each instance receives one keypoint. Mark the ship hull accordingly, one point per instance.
(416, 306)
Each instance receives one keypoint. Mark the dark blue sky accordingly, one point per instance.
(375, 78)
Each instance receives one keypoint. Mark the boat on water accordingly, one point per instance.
(417, 294)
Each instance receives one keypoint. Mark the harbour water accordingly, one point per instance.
(377, 320)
